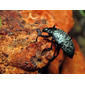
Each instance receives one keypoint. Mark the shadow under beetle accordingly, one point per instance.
(61, 40)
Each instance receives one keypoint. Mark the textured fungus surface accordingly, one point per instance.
(19, 51)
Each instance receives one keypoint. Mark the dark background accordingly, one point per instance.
(78, 31)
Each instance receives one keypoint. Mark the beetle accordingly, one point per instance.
(61, 40)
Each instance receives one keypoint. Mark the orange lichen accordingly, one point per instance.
(61, 18)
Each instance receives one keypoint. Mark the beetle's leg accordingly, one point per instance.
(37, 38)
(39, 33)
(48, 49)
(57, 49)
(45, 36)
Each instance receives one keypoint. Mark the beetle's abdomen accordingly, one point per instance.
(65, 41)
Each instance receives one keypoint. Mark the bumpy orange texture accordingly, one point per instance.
(76, 65)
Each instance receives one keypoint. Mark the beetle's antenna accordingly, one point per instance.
(38, 31)
(54, 27)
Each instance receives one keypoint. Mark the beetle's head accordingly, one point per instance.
(49, 30)
(46, 30)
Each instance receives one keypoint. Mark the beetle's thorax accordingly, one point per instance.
(49, 31)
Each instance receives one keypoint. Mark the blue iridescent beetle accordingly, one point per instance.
(61, 40)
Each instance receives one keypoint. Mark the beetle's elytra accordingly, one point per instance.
(61, 40)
